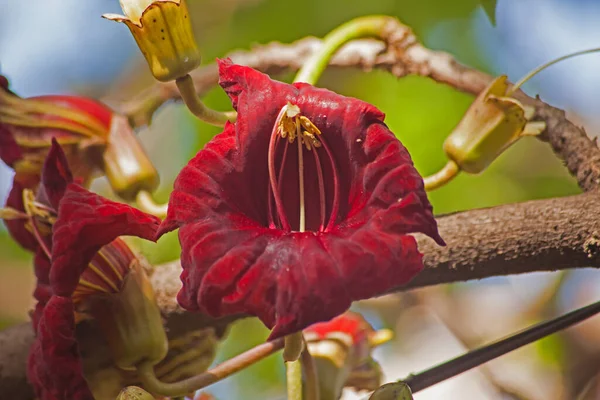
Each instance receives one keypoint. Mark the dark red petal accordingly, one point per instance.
(56, 175)
(54, 367)
(85, 223)
(233, 263)
(10, 152)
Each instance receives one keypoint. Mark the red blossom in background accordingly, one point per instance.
(27, 127)
(85, 223)
(241, 249)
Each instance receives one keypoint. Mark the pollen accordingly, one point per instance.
(292, 124)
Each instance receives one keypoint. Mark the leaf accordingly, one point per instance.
(489, 6)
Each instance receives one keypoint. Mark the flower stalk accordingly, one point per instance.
(151, 382)
(185, 84)
(443, 176)
(294, 380)
(146, 203)
(371, 26)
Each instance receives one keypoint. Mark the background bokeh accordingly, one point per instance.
(63, 46)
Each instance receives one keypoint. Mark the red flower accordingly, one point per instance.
(94, 139)
(85, 233)
(237, 205)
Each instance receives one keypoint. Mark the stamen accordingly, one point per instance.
(271, 161)
(320, 179)
(33, 213)
(302, 223)
(336, 188)
(279, 183)
(39, 238)
(291, 124)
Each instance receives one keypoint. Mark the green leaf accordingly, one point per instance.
(489, 6)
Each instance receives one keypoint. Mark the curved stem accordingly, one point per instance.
(294, 380)
(293, 347)
(441, 177)
(151, 383)
(187, 90)
(494, 350)
(146, 203)
(371, 26)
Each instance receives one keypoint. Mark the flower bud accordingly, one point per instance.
(134, 393)
(126, 164)
(392, 391)
(492, 123)
(27, 126)
(163, 32)
(131, 321)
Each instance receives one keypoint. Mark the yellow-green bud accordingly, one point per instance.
(131, 321)
(492, 123)
(392, 391)
(126, 164)
(163, 32)
(134, 393)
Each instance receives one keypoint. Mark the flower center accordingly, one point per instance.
(295, 127)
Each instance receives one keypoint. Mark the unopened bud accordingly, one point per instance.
(126, 164)
(492, 123)
(134, 393)
(131, 321)
(393, 391)
(163, 32)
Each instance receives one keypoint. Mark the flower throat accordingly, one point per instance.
(290, 124)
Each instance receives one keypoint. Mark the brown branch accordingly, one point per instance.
(401, 55)
(541, 235)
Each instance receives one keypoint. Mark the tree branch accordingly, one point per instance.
(541, 235)
(401, 55)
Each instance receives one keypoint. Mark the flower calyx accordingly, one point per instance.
(494, 122)
(163, 32)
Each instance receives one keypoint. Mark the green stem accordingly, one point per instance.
(441, 177)
(151, 383)
(294, 380)
(371, 26)
(146, 203)
(479, 356)
(293, 346)
(186, 87)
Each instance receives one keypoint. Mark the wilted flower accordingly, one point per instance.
(163, 32)
(82, 266)
(255, 240)
(492, 123)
